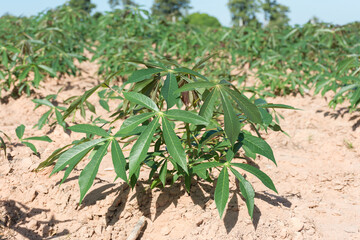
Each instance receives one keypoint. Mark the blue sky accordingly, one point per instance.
(333, 11)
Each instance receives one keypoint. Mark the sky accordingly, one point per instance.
(330, 11)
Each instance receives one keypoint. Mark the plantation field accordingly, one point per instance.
(317, 178)
(207, 133)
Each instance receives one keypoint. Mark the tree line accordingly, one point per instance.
(243, 12)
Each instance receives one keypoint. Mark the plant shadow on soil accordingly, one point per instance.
(200, 194)
(14, 214)
(335, 114)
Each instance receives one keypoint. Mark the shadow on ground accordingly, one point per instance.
(15, 216)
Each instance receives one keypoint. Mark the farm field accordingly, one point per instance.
(220, 94)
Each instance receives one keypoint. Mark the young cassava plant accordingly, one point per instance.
(182, 125)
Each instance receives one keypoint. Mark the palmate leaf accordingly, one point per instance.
(139, 150)
(246, 190)
(221, 194)
(173, 145)
(89, 129)
(265, 179)
(73, 153)
(231, 121)
(118, 160)
(88, 174)
(143, 74)
(170, 86)
(142, 100)
(258, 145)
(186, 116)
(132, 122)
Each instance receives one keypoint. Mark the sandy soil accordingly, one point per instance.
(317, 178)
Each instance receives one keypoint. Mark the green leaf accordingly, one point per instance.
(246, 190)
(132, 122)
(201, 168)
(170, 86)
(43, 119)
(346, 88)
(142, 100)
(20, 131)
(31, 146)
(248, 152)
(139, 150)
(173, 145)
(143, 74)
(43, 102)
(79, 101)
(90, 107)
(51, 159)
(88, 174)
(5, 60)
(186, 116)
(267, 118)
(12, 49)
(90, 129)
(72, 153)
(189, 71)
(271, 105)
(3, 145)
(48, 69)
(258, 145)
(265, 179)
(59, 118)
(42, 138)
(231, 121)
(207, 109)
(24, 73)
(72, 165)
(104, 104)
(37, 76)
(194, 86)
(163, 173)
(118, 160)
(221, 194)
(249, 109)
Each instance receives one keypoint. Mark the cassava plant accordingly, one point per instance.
(181, 124)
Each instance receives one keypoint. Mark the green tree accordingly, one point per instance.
(243, 11)
(172, 9)
(85, 5)
(202, 19)
(125, 3)
(275, 13)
